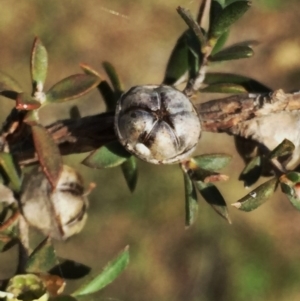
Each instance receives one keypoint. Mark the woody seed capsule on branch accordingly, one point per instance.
(158, 124)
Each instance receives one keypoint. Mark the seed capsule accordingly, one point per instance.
(59, 213)
(158, 124)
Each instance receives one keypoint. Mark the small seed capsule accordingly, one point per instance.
(158, 124)
(59, 213)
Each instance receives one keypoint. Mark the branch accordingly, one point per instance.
(233, 115)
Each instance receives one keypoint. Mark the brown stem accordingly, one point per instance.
(230, 115)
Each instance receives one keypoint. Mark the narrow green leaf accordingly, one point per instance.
(257, 196)
(113, 77)
(212, 196)
(48, 153)
(110, 98)
(42, 259)
(11, 170)
(109, 155)
(39, 65)
(224, 88)
(180, 59)
(232, 53)
(252, 171)
(215, 12)
(292, 190)
(129, 168)
(25, 101)
(72, 87)
(286, 147)
(109, 274)
(220, 42)
(228, 16)
(191, 203)
(212, 162)
(249, 84)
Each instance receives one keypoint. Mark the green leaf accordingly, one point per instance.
(220, 43)
(215, 12)
(212, 162)
(11, 170)
(212, 196)
(293, 176)
(39, 65)
(179, 62)
(257, 196)
(232, 53)
(286, 147)
(110, 98)
(291, 193)
(48, 153)
(42, 259)
(228, 16)
(113, 77)
(25, 101)
(108, 275)
(252, 171)
(72, 87)
(224, 88)
(129, 168)
(249, 84)
(109, 155)
(191, 203)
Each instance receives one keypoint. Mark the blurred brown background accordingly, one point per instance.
(255, 258)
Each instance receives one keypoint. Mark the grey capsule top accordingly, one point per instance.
(158, 124)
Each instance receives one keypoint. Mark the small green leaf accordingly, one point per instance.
(179, 62)
(109, 274)
(113, 77)
(233, 53)
(48, 153)
(39, 65)
(212, 196)
(110, 98)
(220, 43)
(11, 170)
(72, 87)
(129, 169)
(249, 84)
(42, 259)
(25, 101)
(252, 171)
(291, 189)
(257, 196)
(109, 155)
(191, 203)
(212, 162)
(286, 147)
(224, 88)
(228, 16)
(293, 176)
